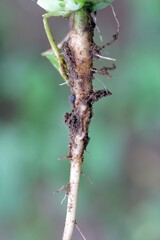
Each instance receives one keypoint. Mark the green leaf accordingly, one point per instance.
(73, 5)
(60, 5)
(52, 58)
(51, 5)
(95, 6)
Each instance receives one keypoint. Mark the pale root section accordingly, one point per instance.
(75, 172)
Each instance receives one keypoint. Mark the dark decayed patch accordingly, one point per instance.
(87, 138)
(69, 58)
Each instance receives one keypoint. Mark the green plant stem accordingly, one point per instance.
(62, 65)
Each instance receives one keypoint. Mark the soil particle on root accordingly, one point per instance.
(75, 125)
(71, 145)
(73, 121)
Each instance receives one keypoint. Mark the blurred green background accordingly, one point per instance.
(123, 203)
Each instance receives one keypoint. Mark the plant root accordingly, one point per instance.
(63, 188)
(76, 224)
(84, 175)
(116, 35)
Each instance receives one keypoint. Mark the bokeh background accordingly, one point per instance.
(123, 203)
